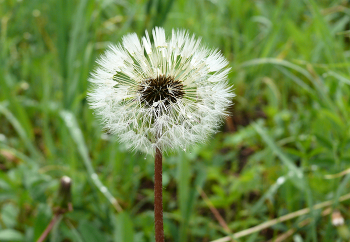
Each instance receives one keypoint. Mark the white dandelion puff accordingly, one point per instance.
(166, 94)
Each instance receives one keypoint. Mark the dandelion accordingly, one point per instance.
(169, 94)
(163, 95)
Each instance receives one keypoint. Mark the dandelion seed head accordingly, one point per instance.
(167, 94)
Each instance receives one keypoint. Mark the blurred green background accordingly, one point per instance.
(285, 147)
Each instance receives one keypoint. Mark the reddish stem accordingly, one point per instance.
(48, 228)
(158, 197)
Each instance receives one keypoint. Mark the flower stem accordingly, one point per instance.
(49, 228)
(158, 197)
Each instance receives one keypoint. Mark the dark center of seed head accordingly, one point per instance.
(161, 88)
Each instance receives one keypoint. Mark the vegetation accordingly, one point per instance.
(285, 147)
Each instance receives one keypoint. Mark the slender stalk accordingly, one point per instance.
(215, 212)
(283, 218)
(49, 228)
(158, 197)
(78, 138)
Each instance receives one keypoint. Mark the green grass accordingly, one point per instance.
(290, 71)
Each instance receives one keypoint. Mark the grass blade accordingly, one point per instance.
(78, 138)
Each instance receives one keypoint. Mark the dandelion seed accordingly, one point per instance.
(169, 94)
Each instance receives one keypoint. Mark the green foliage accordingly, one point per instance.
(291, 74)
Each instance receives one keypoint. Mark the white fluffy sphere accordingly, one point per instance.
(166, 94)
